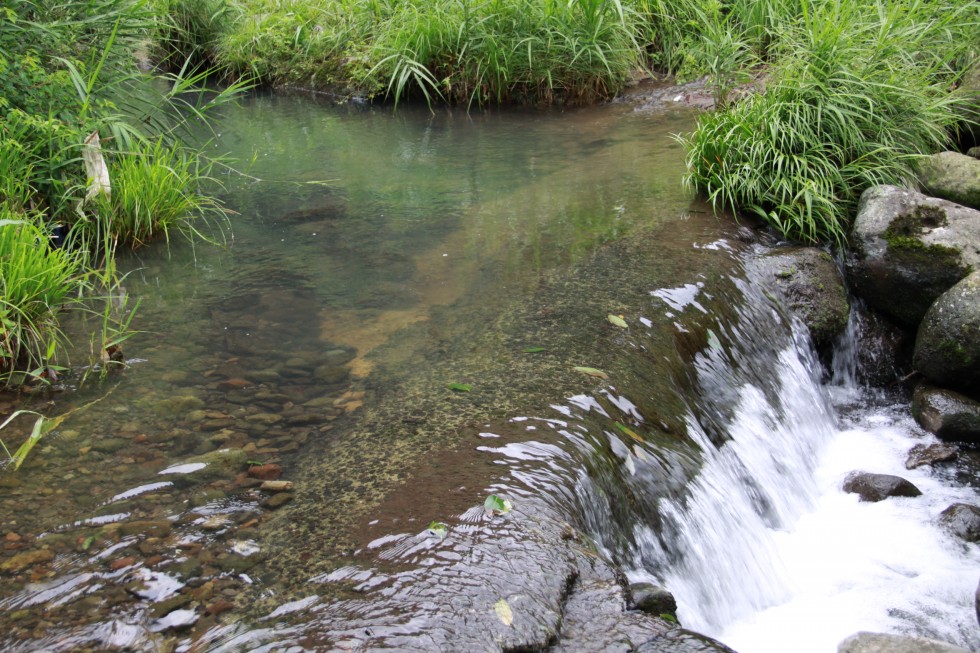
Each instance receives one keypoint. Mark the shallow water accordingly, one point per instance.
(374, 259)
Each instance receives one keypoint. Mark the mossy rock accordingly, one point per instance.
(811, 286)
(952, 176)
(908, 249)
(947, 346)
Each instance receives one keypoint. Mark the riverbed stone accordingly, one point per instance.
(877, 487)
(930, 454)
(812, 287)
(951, 176)
(908, 249)
(947, 414)
(947, 346)
(26, 559)
(865, 642)
(652, 599)
(208, 467)
(963, 521)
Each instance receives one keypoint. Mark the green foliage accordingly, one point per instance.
(854, 99)
(35, 281)
(154, 193)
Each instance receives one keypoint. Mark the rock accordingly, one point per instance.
(963, 521)
(177, 406)
(212, 466)
(277, 500)
(219, 607)
(882, 643)
(947, 414)
(276, 486)
(974, 152)
(331, 374)
(922, 454)
(109, 445)
(26, 559)
(876, 487)
(951, 176)
(909, 246)
(150, 528)
(234, 384)
(812, 287)
(947, 346)
(269, 472)
(652, 599)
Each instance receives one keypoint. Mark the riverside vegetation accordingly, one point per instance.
(849, 93)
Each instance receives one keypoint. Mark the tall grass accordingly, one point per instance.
(858, 93)
(35, 282)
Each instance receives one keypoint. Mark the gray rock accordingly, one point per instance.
(974, 152)
(877, 487)
(331, 374)
(652, 599)
(947, 346)
(923, 454)
(882, 643)
(963, 521)
(908, 249)
(952, 176)
(949, 415)
(812, 287)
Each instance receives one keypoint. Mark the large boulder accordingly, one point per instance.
(812, 287)
(951, 176)
(963, 521)
(877, 487)
(947, 346)
(947, 414)
(908, 249)
(883, 643)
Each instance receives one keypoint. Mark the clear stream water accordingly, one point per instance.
(377, 258)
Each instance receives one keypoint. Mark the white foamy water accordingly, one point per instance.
(852, 565)
(767, 553)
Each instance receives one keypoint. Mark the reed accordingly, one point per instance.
(855, 98)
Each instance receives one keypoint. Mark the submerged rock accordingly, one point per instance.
(963, 521)
(947, 347)
(952, 176)
(908, 249)
(883, 643)
(812, 287)
(947, 414)
(877, 487)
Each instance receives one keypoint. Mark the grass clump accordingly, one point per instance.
(856, 95)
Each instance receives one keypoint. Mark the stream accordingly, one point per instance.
(413, 313)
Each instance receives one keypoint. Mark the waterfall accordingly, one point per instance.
(766, 553)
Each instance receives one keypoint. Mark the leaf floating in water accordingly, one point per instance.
(87, 544)
(628, 431)
(618, 320)
(494, 505)
(591, 371)
(534, 350)
(460, 387)
(438, 529)
(502, 608)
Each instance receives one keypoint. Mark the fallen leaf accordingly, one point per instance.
(534, 350)
(628, 431)
(618, 320)
(494, 505)
(459, 387)
(591, 371)
(502, 608)
(438, 529)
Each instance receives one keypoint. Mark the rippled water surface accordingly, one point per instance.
(373, 259)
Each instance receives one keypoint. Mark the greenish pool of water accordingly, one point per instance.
(373, 259)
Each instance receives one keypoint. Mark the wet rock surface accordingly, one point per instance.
(908, 245)
(930, 454)
(812, 287)
(947, 414)
(947, 347)
(885, 643)
(963, 521)
(878, 487)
